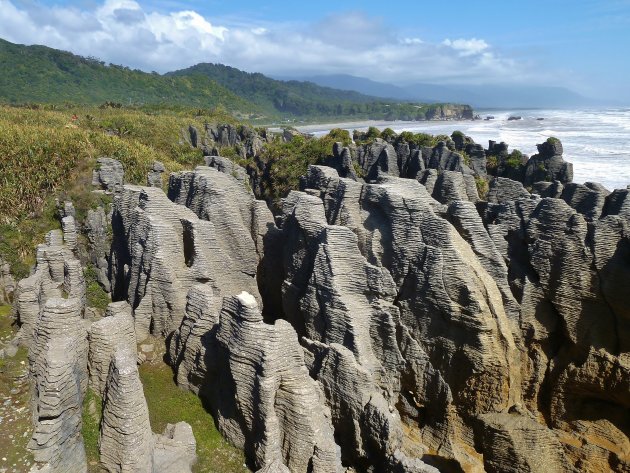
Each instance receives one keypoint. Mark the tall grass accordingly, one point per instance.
(48, 152)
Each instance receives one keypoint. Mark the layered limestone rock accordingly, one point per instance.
(7, 283)
(96, 225)
(503, 189)
(109, 174)
(114, 331)
(154, 176)
(187, 349)
(262, 395)
(565, 270)
(58, 273)
(548, 164)
(126, 441)
(58, 369)
(397, 232)
(162, 249)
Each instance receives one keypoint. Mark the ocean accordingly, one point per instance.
(597, 142)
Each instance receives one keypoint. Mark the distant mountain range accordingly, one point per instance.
(478, 96)
(46, 75)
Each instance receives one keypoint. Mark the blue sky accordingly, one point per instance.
(582, 45)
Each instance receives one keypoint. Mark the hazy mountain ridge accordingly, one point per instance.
(479, 96)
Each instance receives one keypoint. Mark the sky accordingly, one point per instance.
(583, 45)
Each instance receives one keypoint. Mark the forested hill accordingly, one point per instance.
(300, 98)
(45, 75)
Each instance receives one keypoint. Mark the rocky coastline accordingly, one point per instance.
(409, 308)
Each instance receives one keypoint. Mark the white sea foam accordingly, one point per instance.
(597, 142)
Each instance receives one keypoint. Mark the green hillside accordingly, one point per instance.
(306, 99)
(45, 75)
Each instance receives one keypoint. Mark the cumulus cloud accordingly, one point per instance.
(124, 32)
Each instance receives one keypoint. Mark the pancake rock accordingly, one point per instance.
(58, 273)
(109, 175)
(114, 331)
(126, 441)
(58, 369)
(162, 249)
(398, 234)
(262, 395)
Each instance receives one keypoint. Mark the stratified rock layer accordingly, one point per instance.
(58, 367)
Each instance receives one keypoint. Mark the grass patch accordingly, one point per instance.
(95, 294)
(15, 413)
(91, 417)
(170, 404)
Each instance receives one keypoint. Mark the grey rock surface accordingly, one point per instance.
(58, 273)
(113, 332)
(58, 369)
(154, 176)
(109, 175)
(503, 189)
(126, 442)
(265, 401)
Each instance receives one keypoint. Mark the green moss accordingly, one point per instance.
(482, 187)
(170, 404)
(95, 294)
(553, 140)
(91, 417)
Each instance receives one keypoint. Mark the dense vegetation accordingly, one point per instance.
(47, 153)
(305, 99)
(45, 75)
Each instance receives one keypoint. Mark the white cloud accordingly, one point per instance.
(467, 47)
(124, 32)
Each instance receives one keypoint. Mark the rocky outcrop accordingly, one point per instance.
(377, 158)
(503, 189)
(548, 164)
(516, 443)
(393, 226)
(7, 283)
(264, 399)
(113, 332)
(154, 176)
(58, 273)
(126, 441)
(109, 174)
(162, 249)
(58, 362)
(98, 232)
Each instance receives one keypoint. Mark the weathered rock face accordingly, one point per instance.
(397, 233)
(126, 441)
(264, 399)
(154, 176)
(503, 189)
(162, 249)
(548, 165)
(97, 226)
(7, 283)
(58, 368)
(377, 158)
(113, 332)
(58, 273)
(109, 175)
(565, 272)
